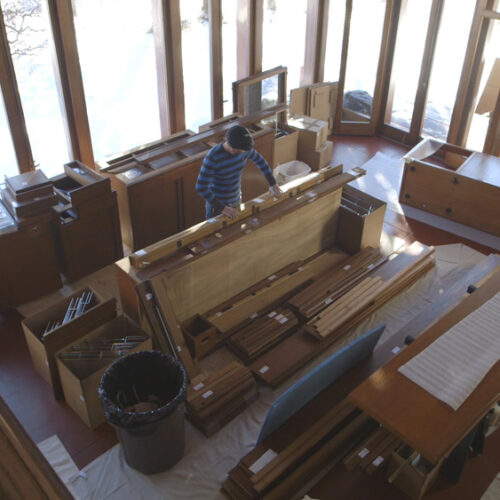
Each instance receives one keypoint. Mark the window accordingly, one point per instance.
(29, 35)
(117, 58)
(229, 57)
(196, 62)
(335, 35)
(8, 161)
(447, 67)
(284, 36)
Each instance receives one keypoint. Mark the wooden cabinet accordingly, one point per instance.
(455, 183)
(86, 225)
(156, 183)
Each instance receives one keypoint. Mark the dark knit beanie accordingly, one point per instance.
(239, 137)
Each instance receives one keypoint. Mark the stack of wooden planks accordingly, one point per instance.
(373, 452)
(262, 333)
(336, 282)
(392, 277)
(291, 471)
(215, 399)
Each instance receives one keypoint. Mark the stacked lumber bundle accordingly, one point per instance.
(336, 282)
(373, 452)
(217, 398)
(262, 333)
(271, 474)
(385, 283)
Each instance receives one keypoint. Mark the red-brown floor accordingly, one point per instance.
(31, 399)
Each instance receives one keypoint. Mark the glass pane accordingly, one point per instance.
(485, 106)
(29, 34)
(229, 58)
(367, 21)
(335, 35)
(8, 161)
(410, 42)
(284, 37)
(196, 62)
(261, 95)
(117, 57)
(447, 67)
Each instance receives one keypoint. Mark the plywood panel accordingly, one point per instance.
(222, 273)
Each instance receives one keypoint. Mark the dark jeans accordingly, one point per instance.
(211, 211)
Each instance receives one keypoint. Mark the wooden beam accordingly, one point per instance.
(69, 81)
(492, 142)
(463, 109)
(316, 31)
(216, 62)
(13, 106)
(249, 37)
(168, 49)
(425, 72)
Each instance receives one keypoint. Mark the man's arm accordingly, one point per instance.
(263, 166)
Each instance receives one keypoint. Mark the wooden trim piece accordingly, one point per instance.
(315, 49)
(492, 141)
(463, 109)
(216, 73)
(256, 40)
(343, 65)
(24, 468)
(168, 48)
(69, 81)
(425, 73)
(13, 106)
(243, 18)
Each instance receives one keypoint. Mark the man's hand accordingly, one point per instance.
(230, 212)
(276, 191)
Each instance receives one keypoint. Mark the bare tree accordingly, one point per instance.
(21, 20)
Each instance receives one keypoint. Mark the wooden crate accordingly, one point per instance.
(80, 378)
(361, 218)
(43, 352)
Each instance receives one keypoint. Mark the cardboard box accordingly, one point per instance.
(80, 378)
(312, 133)
(318, 158)
(411, 480)
(43, 352)
(322, 100)
(361, 218)
(298, 101)
(285, 145)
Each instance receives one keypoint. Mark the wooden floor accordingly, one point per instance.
(31, 400)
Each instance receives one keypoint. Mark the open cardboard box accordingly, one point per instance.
(80, 377)
(43, 352)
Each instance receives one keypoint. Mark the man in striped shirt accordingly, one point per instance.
(219, 181)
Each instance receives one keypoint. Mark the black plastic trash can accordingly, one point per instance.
(152, 440)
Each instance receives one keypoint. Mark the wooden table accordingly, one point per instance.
(422, 421)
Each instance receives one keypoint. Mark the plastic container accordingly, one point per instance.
(152, 441)
(291, 171)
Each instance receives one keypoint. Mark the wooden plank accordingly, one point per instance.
(216, 80)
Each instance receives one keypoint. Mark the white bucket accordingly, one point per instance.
(291, 171)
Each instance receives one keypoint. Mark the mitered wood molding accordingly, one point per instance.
(13, 106)
(69, 81)
(216, 62)
(168, 49)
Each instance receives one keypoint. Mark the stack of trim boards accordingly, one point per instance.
(262, 333)
(291, 471)
(336, 282)
(216, 399)
(385, 282)
(373, 452)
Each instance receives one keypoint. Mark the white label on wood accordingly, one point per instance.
(82, 398)
(396, 350)
(258, 200)
(278, 318)
(283, 320)
(212, 220)
(207, 394)
(149, 296)
(328, 301)
(218, 235)
(346, 268)
(197, 387)
(272, 314)
(264, 369)
(272, 277)
(263, 461)
(140, 253)
(378, 461)
(363, 453)
(371, 266)
(254, 315)
(218, 314)
(179, 348)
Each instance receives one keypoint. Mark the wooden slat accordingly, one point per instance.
(216, 74)
(13, 106)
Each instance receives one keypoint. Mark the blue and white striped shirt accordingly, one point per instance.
(219, 181)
